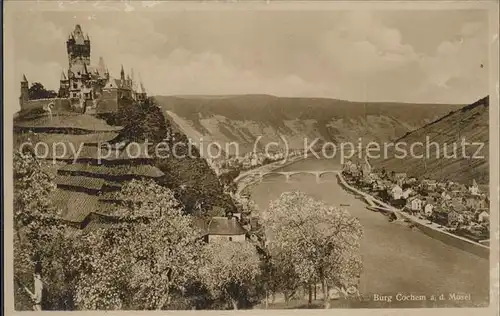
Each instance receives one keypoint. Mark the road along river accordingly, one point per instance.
(397, 259)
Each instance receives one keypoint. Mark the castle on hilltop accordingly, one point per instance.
(87, 88)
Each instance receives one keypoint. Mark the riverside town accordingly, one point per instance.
(256, 158)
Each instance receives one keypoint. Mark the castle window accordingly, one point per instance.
(74, 94)
(75, 85)
(230, 238)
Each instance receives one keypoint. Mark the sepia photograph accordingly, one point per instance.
(250, 155)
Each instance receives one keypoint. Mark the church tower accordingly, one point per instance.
(24, 98)
(78, 47)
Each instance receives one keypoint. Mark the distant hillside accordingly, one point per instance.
(470, 122)
(243, 118)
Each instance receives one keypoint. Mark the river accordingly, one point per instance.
(396, 258)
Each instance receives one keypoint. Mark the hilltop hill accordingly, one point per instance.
(70, 153)
(243, 118)
(469, 122)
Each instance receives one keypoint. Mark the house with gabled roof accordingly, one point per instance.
(429, 185)
(396, 192)
(428, 207)
(415, 204)
(483, 215)
(407, 193)
(220, 228)
(475, 202)
(474, 188)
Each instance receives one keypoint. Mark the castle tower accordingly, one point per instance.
(141, 94)
(63, 86)
(78, 47)
(122, 74)
(101, 67)
(129, 82)
(24, 98)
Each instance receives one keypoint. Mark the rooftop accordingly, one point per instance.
(76, 206)
(220, 226)
(85, 182)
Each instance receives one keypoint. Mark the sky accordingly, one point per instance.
(438, 56)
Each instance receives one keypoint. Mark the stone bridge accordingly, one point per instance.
(288, 174)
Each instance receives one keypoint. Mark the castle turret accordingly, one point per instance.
(24, 92)
(101, 68)
(78, 47)
(133, 81)
(63, 86)
(142, 94)
(122, 74)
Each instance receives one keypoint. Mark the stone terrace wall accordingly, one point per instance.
(60, 104)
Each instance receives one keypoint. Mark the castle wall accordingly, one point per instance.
(108, 102)
(60, 104)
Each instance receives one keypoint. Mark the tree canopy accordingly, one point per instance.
(38, 91)
(39, 236)
(231, 270)
(310, 241)
(153, 256)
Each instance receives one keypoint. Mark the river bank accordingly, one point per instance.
(431, 229)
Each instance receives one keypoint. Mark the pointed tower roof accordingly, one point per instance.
(122, 74)
(24, 78)
(101, 66)
(143, 90)
(78, 34)
(101, 62)
(63, 76)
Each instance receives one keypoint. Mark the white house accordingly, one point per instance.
(416, 204)
(483, 217)
(428, 209)
(407, 193)
(396, 192)
(474, 188)
(221, 228)
(429, 185)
